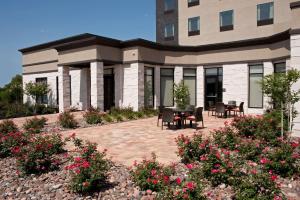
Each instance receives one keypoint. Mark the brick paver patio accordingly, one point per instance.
(135, 140)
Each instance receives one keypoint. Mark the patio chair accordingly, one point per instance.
(232, 105)
(220, 109)
(196, 117)
(239, 109)
(168, 117)
(160, 110)
(211, 108)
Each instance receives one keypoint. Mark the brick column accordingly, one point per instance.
(64, 88)
(97, 93)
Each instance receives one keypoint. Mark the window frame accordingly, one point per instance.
(192, 3)
(168, 38)
(276, 63)
(264, 21)
(170, 10)
(195, 32)
(42, 99)
(160, 101)
(153, 82)
(249, 87)
(227, 27)
(195, 76)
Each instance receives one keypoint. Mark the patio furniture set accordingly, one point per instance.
(224, 110)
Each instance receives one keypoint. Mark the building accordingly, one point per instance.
(219, 48)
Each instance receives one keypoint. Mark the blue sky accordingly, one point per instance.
(24, 23)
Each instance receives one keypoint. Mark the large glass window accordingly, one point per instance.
(265, 14)
(167, 87)
(280, 67)
(169, 31)
(193, 3)
(226, 20)
(255, 91)
(149, 87)
(169, 5)
(42, 99)
(194, 26)
(189, 79)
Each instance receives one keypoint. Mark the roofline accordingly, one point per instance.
(87, 39)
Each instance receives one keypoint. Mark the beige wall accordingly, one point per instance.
(39, 56)
(78, 55)
(245, 20)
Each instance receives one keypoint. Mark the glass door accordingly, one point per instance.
(213, 86)
(109, 89)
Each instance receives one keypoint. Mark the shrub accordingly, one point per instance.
(37, 156)
(11, 142)
(118, 118)
(246, 126)
(121, 111)
(67, 120)
(88, 170)
(225, 138)
(139, 114)
(149, 112)
(191, 149)
(250, 149)
(93, 116)
(35, 125)
(150, 175)
(257, 186)
(8, 126)
(107, 118)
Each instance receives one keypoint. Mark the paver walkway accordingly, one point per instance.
(135, 140)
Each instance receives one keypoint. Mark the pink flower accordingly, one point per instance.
(190, 166)
(214, 171)
(149, 191)
(264, 161)
(294, 144)
(273, 177)
(276, 197)
(217, 165)
(203, 158)
(85, 164)
(178, 181)
(154, 181)
(153, 172)
(190, 185)
(166, 179)
(253, 171)
(77, 159)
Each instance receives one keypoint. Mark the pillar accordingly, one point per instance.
(97, 83)
(64, 88)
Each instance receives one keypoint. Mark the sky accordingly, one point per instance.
(25, 23)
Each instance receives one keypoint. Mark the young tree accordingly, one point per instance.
(36, 90)
(279, 88)
(181, 95)
(13, 91)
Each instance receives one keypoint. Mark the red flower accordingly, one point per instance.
(166, 179)
(294, 144)
(217, 165)
(77, 159)
(273, 177)
(153, 172)
(253, 171)
(214, 171)
(190, 166)
(85, 164)
(178, 181)
(85, 184)
(77, 171)
(264, 161)
(190, 185)
(277, 197)
(154, 181)
(203, 158)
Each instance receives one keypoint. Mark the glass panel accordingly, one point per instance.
(189, 72)
(265, 11)
(149, 71)
(255, 93)
(169, 5)
(108, 71)
(167, 72)
(166, 91)
(256, 69)
(194, 24)
(226, 18)
(190, 82)
(169, 30)
(280, 67)
(148, 88)
(211, 71)
(191, 1)
(42, 99)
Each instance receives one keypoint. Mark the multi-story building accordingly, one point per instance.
(221, 49)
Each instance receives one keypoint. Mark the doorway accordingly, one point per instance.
(213, 86)
(109, 89)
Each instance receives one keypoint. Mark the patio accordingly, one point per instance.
(134, 140)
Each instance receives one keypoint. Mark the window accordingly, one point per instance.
(169, 32)
(169, 5)
(189, 79)
(193, 3)
(194, 26)
(279, 67)
(42, 99)
(265, 14)
(255, 91)
(149, 87)
(226, 20)
(167, 87)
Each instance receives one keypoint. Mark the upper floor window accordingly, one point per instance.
(169, 31)
(193, 3)
(226, 20)
(194, 26)
(265, 14)
(169, 5)
(280, 67)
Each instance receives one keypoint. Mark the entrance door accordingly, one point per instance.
(213, 86)
(109, 89)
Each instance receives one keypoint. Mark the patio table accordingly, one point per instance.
(181, 113)
(229, 108)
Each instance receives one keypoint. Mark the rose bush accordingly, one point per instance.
(8, 126)
(34, 125)
(67, 120)
(11, 142)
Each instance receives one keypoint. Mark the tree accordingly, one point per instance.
(36, 90)
(13, 91)
(278, 87)
(181, 95)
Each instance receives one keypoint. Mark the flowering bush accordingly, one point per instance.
(150, 175)
(34, 125)
(67, 120)
(11, 142)
(93, 116)
(37, 156)
(191, 149)
(247, 125)
(89, 169)
(225, 138)
(8, 126)
(250, 149)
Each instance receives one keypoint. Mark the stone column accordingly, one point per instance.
(97, 92)
(84, 88)
(178, 74)
(156, 86)
(200, 86)
(64, 88)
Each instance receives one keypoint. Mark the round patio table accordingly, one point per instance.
(229, 108)
(182, 114)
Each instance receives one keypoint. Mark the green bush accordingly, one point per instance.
(35, 125)
(226, 138)
(67, 120)
(246, 126)
(108, 118)
(93, 116)
(88, 170)
(250, 149)
(8, 126)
